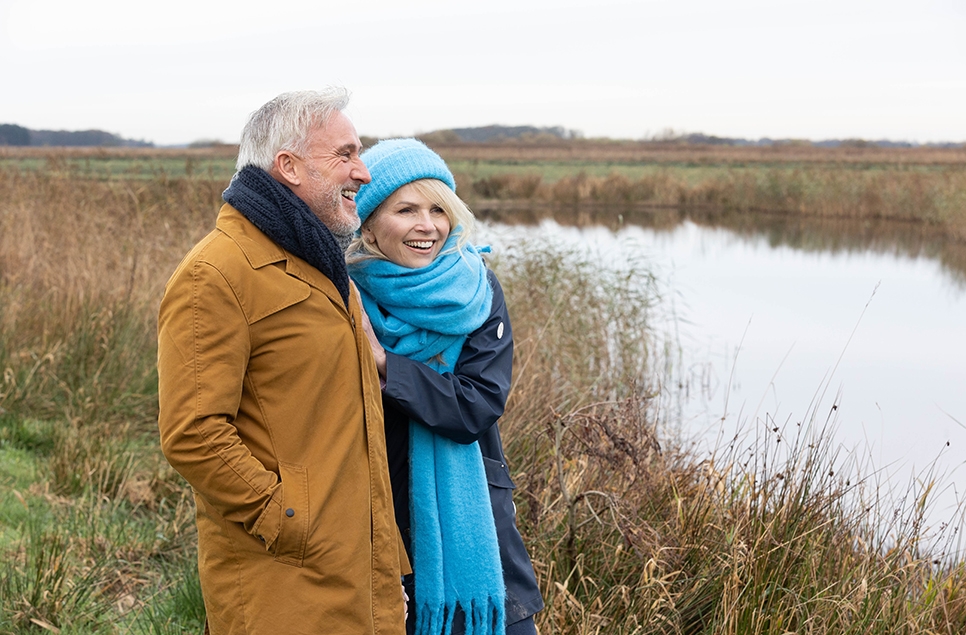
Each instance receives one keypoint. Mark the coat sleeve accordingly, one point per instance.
(464, 404)
(203, 351)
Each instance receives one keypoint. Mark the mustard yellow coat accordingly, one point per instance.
(271, 410)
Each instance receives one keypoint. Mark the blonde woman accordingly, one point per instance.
(441, 337)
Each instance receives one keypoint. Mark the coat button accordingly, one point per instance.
(289, 512)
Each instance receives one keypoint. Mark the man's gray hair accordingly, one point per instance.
(285, 123)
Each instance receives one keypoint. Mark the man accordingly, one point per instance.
(269, 395)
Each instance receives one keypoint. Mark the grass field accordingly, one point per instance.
(917, 185)
(629, 531)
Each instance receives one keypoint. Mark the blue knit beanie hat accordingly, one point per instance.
(393, 163)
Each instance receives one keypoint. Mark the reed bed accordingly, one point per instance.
(631, 530)
(598, 151)
(634, 531)
(934, 198)
(925, 185)
(95, 528)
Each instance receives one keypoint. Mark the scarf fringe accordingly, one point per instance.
(483, 618)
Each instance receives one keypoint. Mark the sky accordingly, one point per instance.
(189, 70)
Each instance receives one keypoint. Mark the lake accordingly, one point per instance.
(774, 328)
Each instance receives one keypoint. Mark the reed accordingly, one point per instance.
(773, 532)
(631, 529)
(934, 198)
(92, 511)
(625, 152)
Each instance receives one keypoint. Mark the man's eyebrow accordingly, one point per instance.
(349, 147)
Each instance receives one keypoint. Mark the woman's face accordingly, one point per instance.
(408, 228)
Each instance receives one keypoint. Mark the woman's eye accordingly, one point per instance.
(438, 210)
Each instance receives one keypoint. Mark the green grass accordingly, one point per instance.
(18, 471)
(111, 167)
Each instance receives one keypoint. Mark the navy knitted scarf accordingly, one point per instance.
(287, 220)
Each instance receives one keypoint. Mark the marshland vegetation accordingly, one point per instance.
(630, 531)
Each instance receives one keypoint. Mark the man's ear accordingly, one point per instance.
(285, 170)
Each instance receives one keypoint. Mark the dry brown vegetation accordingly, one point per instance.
(612, 179)
(609, 151)
(14, 153)
(630, 532)
(584, 151)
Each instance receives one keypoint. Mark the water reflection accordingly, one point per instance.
(780, 322)
(778, 229)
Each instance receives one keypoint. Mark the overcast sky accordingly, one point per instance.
(182, 70)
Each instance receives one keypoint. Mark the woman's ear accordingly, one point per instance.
(367, 236)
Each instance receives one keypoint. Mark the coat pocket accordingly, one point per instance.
(501, 493)
(497, 474)
(290, 545)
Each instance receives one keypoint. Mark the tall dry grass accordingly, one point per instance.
(934, 197)
(599, 151)
(90, 514)
(630, 530)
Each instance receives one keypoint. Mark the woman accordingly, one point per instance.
(444, 353)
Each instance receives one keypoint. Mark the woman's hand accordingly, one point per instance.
(378, 352)
(405, 603)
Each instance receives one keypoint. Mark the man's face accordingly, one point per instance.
(333, 173)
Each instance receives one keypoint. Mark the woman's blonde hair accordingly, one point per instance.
(459, 215)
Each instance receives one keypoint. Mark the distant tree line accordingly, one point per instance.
(497, 134)
(11, 135)
(533, 134)
(699, 138)
(14, 135)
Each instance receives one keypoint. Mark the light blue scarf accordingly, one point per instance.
(426, 314)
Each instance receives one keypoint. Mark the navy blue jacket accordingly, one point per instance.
(464, 406)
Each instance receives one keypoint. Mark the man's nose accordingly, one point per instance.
(360, 172)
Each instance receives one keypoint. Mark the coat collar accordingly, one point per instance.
(261, 251)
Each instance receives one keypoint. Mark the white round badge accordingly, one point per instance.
(499, 331)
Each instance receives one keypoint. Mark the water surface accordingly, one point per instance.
(771, 332)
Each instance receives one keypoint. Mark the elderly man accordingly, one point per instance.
(270, 400)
